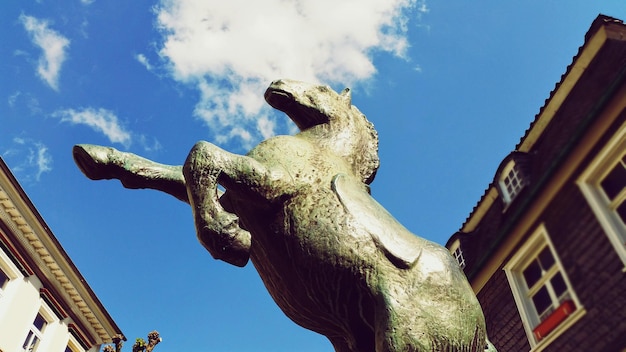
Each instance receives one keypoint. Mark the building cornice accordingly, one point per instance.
(38, 250)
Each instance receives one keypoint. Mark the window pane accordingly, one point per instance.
(28, 339)
(542, 300)
(558, 284)
(458, 255)
(34, 344)
(546, 259)
(621, 211)
(4, 278)
(31, 342)
(39, 322)
(512, 182)
(532, 273)
(615, 181)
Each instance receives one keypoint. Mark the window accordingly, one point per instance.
(4, 279)
(510, 182)
(34, 335)
(8, 272)
(457, 253)
(545, 284)
(542, 291)
(73, 346)
(44, 324)
(614, 187)
(603, 184)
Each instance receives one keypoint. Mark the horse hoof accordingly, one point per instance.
(96, 162)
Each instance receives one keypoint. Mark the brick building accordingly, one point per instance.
(544, 248)
(45, 303)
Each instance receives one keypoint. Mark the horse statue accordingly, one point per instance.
(299, 207)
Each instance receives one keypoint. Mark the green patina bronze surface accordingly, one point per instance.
(334, 260)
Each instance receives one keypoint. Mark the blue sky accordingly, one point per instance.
(451, 86)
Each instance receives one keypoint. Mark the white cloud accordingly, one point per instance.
(87, 2)
(149, 145)
(32, 158)
(231, 50)
(13, 98)
(265, 127)
(53, 46)
(42, 159)
(142, 59)
(26, 99)
(100, 120)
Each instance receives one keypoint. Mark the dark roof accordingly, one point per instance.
(600, 21)
(547, 140)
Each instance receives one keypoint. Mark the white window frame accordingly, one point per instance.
(513, 269)
(510, 172)
(35, 335)
(49, 317)
(74, 345)
(6, 283)
(589, 183)
(11, 270)
(457, 253)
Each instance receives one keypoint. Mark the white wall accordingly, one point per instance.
(19, 304)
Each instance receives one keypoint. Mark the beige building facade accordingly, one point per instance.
(45, 303)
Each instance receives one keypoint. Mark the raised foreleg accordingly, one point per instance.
(218, 230)
(105, 163)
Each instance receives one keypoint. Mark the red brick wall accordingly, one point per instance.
(504, 324)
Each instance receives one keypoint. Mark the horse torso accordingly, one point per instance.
(305, 246)
(321, 265)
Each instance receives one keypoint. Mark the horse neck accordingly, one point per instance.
(345, 138)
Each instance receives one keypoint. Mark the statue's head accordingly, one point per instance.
(331, 120)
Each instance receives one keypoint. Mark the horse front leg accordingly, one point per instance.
(105, 163)
(218, 230)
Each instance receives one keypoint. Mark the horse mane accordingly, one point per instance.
(364, 158)
(325, 116)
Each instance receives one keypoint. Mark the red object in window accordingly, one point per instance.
(554, 319)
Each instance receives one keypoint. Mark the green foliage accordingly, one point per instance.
(140, 344)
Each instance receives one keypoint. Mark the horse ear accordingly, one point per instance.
(346, 95)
